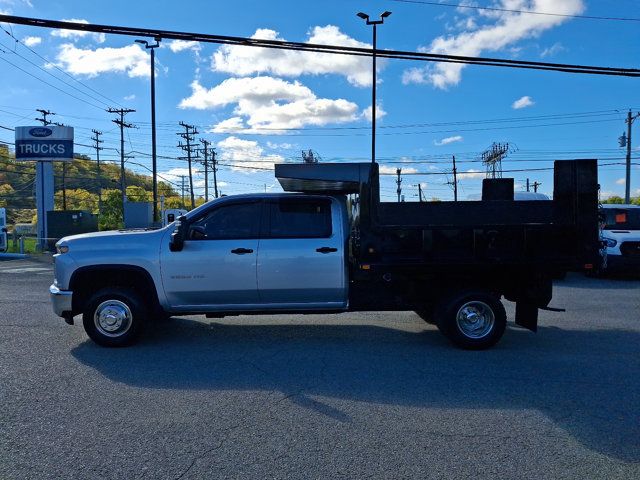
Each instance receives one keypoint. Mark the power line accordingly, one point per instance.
(59, 69)
(47, 83)
(52, 75)
(509, 10)
(320, 48)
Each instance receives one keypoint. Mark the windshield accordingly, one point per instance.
(622, 218)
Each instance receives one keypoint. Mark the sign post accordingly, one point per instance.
(44, 145)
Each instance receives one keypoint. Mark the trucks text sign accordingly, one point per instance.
(50, 143)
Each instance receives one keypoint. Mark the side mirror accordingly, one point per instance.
(197, 232)
(4, 230)
(179, 234)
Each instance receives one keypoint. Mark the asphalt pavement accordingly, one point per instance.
(377, 395)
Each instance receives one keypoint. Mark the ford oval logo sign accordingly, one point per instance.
(40, 132)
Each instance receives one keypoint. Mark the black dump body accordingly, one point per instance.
(420, 250)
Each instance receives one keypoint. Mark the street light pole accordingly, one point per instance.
(375, 24)
(154, 163)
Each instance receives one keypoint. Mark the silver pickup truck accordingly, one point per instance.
(334, 248)
(242, 254)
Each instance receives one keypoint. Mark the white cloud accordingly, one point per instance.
(245, 155)
(230, 125)
(75, 34)
(268, 103)
(180, 45)
(471, 173)
(552, 50)
(522, 102)
(621, 181)
(388, 170)
(280, 146)
(448, 140)
(132, 60)
(128, 98)
(32, 41)
(243, 61)
(505, 29)
(366, 113)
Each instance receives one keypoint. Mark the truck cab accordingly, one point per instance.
(252, 253)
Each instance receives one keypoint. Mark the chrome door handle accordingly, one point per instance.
(241, 251)
(326, 249)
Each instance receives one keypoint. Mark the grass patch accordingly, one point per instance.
(29, 246)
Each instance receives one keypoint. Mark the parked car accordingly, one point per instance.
(621, 237)
(335, 247)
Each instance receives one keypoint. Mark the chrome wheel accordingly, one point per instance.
(112, 318)
(475, 319)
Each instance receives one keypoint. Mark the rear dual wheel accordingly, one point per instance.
(473, 320)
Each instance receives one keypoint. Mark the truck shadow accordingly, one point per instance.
(584, 381)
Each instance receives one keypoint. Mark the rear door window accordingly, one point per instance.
(300, 218)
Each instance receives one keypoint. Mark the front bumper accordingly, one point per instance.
(621, 262)
(60, 300)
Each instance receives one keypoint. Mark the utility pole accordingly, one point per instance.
(205, 151)
(44, 113)
(455, 180)
(189, 136)
(182, 189)
(97, 141)
(399, 182)
(454, 183)
(420, 192)
(527, 184)
(214, 167)
(154, 164)
(122, 124)
(627, 188)
(535, 186)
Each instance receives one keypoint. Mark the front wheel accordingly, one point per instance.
(113, 317)
(473, 320)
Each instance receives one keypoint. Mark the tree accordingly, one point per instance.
(6, 191)
(173, 202)
(111, 216)
(77, 199)
(138, 194)
(614, 199)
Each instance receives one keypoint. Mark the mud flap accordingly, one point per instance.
(527, 315)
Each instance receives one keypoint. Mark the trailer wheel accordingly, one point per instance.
(114, 317)
(427, 316)
(473, 320)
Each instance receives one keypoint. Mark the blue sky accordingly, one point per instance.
(259, 107)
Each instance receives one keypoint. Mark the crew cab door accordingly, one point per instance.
(301, 261)
(216, 269)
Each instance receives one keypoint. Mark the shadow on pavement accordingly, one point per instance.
(585, 381)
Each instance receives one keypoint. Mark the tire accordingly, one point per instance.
(472, 320)
(426, 315)
(114, 317)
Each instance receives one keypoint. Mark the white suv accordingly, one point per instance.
(621, 235)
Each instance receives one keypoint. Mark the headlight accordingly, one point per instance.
(609, 242)
(62, 248)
